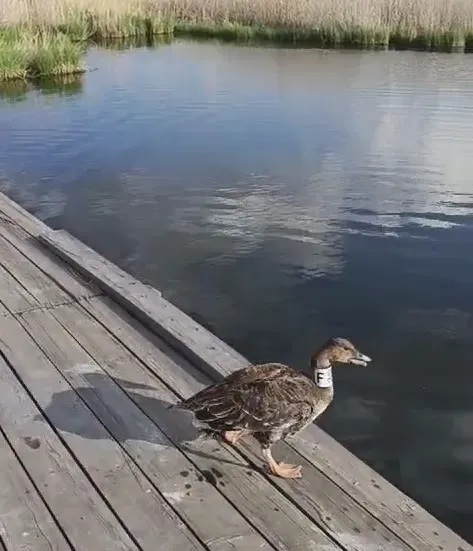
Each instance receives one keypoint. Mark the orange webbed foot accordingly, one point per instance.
(286, 470)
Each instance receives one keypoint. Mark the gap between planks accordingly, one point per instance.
(25, 520)
(16, 215)
(53, 469)
(25, 286)
(30, 254)
(39, 308)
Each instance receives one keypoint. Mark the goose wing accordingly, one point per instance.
(257, 398)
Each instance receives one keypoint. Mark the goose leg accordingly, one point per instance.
(232, 436)
(284, 470)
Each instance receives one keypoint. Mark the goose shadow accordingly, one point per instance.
(109, 414)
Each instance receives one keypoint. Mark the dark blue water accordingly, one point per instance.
(283, 196)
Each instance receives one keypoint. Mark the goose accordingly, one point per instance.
(271, 401)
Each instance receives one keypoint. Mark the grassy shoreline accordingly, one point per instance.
(333, 36)
(28, 54)
(39, 38)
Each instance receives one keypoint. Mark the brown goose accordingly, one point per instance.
(271, 401)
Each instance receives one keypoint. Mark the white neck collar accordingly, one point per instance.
(323, 377)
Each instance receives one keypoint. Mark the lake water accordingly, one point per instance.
(283, 196)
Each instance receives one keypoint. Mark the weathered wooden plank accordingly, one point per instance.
(410, 521)
(147, 304)
(40, 286)
(109, 277)
(20, 216)
(324, 504)
(25, 522)
(142, 439)
(61, 273)
(394, 509)
(423, 532)
(13, 295)
(145, 513)
(153, 351)
(79, 509)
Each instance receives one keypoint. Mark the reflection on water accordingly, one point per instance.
(60, 86)
(285, 195)
(130, 43)
(19, 90)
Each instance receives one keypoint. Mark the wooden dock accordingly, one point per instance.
(91, 459)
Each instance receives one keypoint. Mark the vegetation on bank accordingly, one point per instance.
(27, 53)
(43, 37)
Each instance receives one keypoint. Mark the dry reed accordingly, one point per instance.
(420, 23)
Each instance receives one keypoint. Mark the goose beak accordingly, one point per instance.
(361, 359)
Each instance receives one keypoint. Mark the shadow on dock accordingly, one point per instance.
(99, 386)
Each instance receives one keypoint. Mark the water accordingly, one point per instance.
(283, 196)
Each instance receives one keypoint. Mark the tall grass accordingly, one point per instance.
(427, 23)
(28, 54)
(444, 24)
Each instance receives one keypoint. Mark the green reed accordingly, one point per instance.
(27, 54)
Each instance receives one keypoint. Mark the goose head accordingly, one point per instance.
(338, 350)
